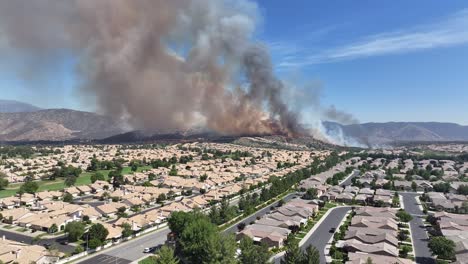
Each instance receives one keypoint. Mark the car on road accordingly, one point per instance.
(151, 249)
(47, 245)
(332, 230)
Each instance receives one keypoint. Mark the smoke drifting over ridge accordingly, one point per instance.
(163, 65)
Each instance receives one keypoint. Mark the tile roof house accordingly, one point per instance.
(375, 222)
(15, 252)
(362, 258)
(381, 248)
(270, 235)
(371, 236)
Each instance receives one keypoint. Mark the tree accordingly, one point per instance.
(166, 256)
(404, 216)
(53, 228)
(117, 180)
(3, 181)
(126, 230)
(68, 198)
(369, 261)
(253, 254)
(121, 211)
(462, 189)
(442, 247)
(29, 187)
(78, 249)
(202, 243)
(203, 178)
(134, 167)
(199, 240)
(310, 194)
(414, 186)
(311, 255)
(97, 177)
(75, 231)
(442, 187)
(405, 249)
(173, 171)
(402, 235)
(178, 221)
(99, 232)
(161, 198)
(293, 254)
(94, 243)
(86, 219)
(70, 180)
(151, 176)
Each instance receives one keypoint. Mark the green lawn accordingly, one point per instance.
(148, 260)
(85, 178)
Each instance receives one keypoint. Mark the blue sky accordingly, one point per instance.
(378, 60)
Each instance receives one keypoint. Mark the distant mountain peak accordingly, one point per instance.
(12, 106)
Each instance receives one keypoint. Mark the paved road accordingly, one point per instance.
(347, 181)
(233, 229)
(29, 240)
(418, 231)
(322, 235)
(133, 250)
(130, 250)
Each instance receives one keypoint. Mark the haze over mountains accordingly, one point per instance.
(385, 133)
(11, 106)
(25, 122)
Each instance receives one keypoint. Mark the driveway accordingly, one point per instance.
(321, 236)
(418, 230)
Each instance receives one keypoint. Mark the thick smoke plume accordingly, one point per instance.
(163, 65)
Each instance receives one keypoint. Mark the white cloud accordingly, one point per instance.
(451, 32)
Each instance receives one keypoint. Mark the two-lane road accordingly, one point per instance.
(322, 235)
(418, 231)
(130, 250)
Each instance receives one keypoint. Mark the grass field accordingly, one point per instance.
(85, 178)
(148, 260)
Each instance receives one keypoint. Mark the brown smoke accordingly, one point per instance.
(219, 78)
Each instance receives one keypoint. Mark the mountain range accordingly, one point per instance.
(56, 125)
(24, 122)
(390, 132)
(11, 106)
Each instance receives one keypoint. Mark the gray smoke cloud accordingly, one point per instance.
(161, 65)
(331, 113)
